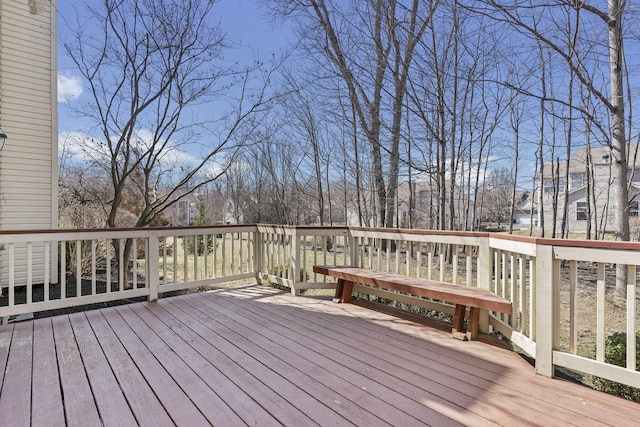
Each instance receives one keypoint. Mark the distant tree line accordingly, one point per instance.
(469, 99)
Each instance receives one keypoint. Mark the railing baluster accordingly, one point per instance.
(233, 254)
(600, 294)
(533, 297)
(134, 256)
(215, 256)
(121, 267)
(430, 248)
(454, 249)
(573, 311)
(78, 268)
(631, 317)
(108, 243)
(29, 272)
(47, 269)
(93, 266)
(469, 265)
(205, 256)
(185, 255)
(442, 260)
(63, 269)
(513, 281)
(304, 256)
(12, 274)
(407, 256)
(196, 254)
(522, 300)
(388, 254)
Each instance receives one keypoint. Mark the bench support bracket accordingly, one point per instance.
(473, 323)
(344, 289)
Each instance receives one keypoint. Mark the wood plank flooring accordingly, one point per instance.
(257, 356)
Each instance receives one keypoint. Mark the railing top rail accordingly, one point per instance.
(423, 232)
(592, 244)
(21, 236)
(130, 229)
(69, 234)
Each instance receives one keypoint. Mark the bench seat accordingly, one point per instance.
(462, 296)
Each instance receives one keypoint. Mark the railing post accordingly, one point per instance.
(547, 312)
(153, 266)
(353, 250)
(295, 257)
(258, 251)
(485, 271)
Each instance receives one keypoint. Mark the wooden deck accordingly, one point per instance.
(257, 356)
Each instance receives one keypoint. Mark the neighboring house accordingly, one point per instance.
(185, 211)
(28, 116)
(426, 205)
(523, 213)
(578, 200)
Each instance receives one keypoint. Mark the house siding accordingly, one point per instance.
(603, 214)
(28, 115)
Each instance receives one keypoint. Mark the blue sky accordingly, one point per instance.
(244, 22)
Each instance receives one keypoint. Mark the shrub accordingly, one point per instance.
(201, 244)
(615, 353)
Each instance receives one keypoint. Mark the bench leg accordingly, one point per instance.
(338, 295)
(347, 291)
(474, 322)
(458, 322)
(344, 289)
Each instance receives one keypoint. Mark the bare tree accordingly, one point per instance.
(149, 66)
(368, 43)
(528, 23)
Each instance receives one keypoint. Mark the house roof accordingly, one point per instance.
(599, 155)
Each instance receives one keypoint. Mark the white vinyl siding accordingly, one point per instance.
(28, 115)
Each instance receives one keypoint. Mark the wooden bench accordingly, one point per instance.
(462, 296)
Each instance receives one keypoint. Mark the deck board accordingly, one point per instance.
(142, 400)
(115, 410)
(335, 368)
(294, 404)
(402, 366)
(17, 405)
(46, 393)
(385, 369)
(319, 382)
(170, 330)
(79, 401)
(257, 356)
(172, 397)
(210, 405)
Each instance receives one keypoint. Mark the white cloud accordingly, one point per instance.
(69, 87)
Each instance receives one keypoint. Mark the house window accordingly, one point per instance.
(581, 211)
(577, 180)
(634, 207)
(548, 186)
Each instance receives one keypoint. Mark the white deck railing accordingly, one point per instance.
(561, 290)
